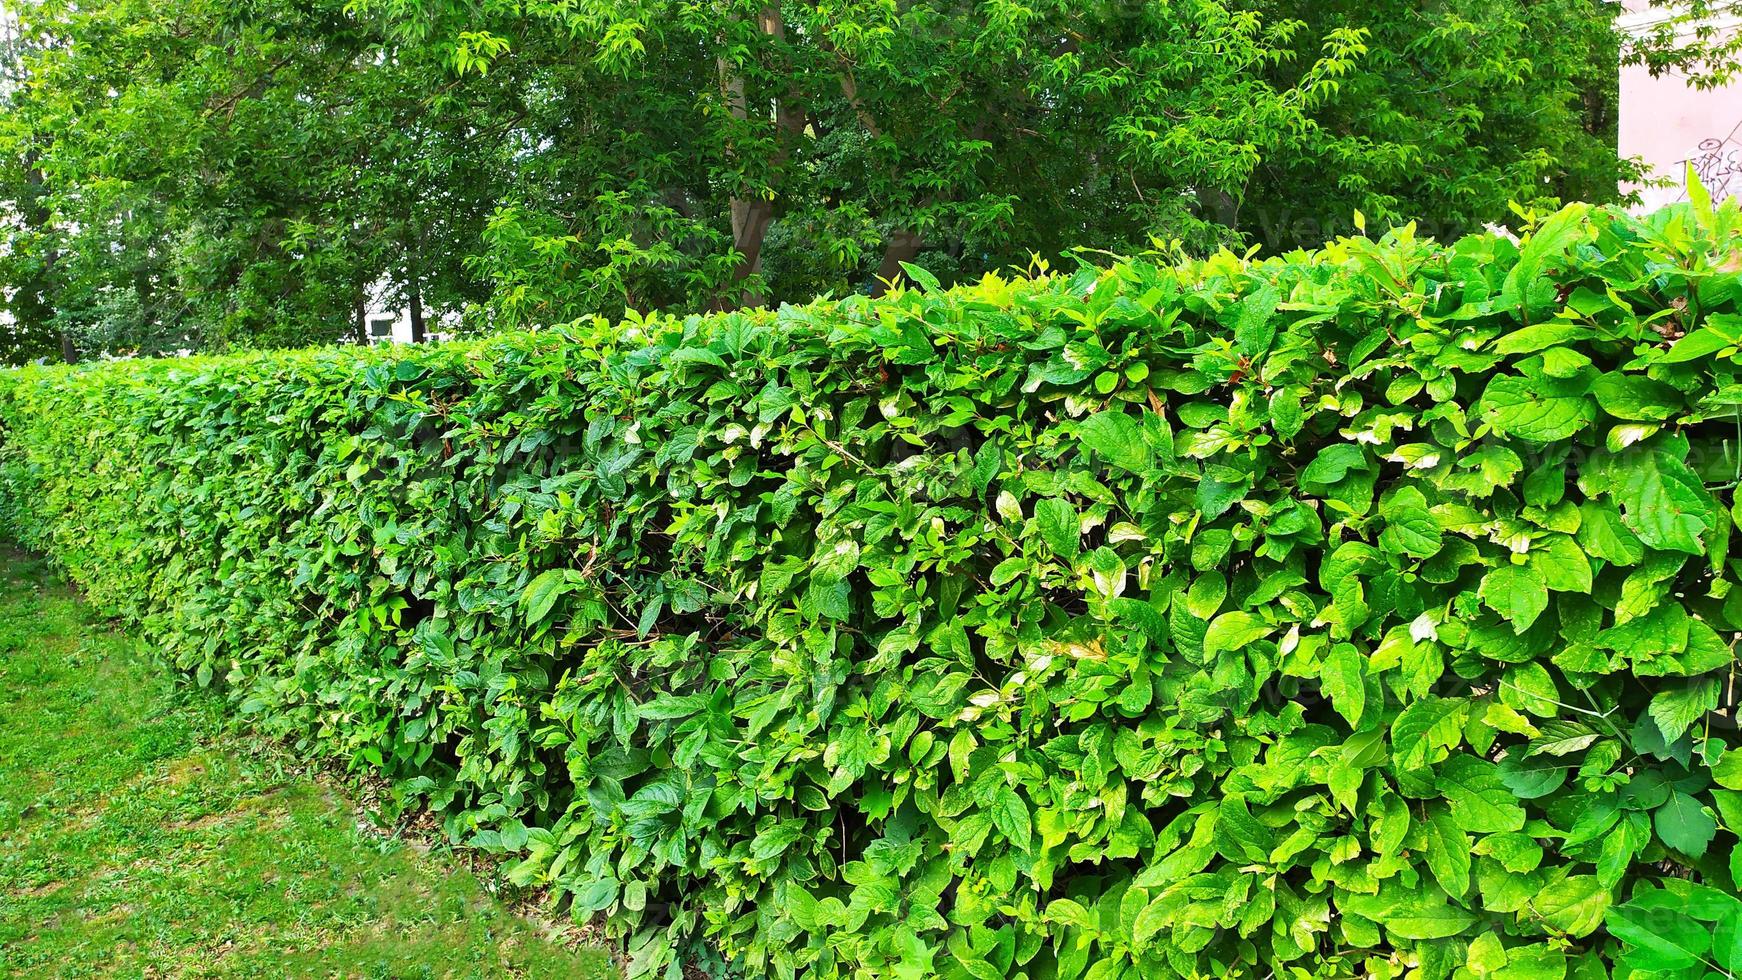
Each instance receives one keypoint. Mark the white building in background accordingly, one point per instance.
(1669, 123)
(387, 326)
(385, 322)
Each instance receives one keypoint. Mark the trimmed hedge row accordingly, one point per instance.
(1361, 612)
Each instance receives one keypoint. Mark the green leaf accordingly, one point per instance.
(1334, 463)
(1149, 922)
(1343, 677)
(1516, 852)
(1425, 730)
(923, 277)
(1699, 196)
(1676, 709)
(1669, 943)
(1662, 501)
(595, 894)
(1531, 779)
(962, 746)
(1009, 570)
(1239, 835)
(1530, 687)
(1573, 905)
(1486, 955)
(1215, 497)
(1059, 527)
(1388, 824)
(1117, 438)
(1605, 536)
(1729, 804)
(695, 355)
(1448, 853)
(1561, 563)
(1528, 340)
(1636, 397)
(669, 706)
(1684, 825)
(1517, 592)
(1410, 915)
(775, 841)
(1728, 772)
(1286, 416)
(1255, 319)
(1718, 334)
(1563, 738)
(1010, 816)
(1537, 409)
(1066, 912)
(836, 561)
(1410, 528)
(1550, 240)
(1620, 847)
(1660, 633)
(1233, 631)
(1479, 799)
(542, 592)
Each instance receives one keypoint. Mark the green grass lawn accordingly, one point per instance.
(140, 837)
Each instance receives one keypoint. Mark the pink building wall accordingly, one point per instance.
(1668, 123)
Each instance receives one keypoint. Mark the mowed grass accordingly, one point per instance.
(140, 837)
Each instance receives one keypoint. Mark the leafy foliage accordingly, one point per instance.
(1365, 611)
(203, 175)
(207, 174)
(1688, 37)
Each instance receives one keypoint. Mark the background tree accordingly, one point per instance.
(239, 173)
(1696, 39)
(205, 174)
(840, 140)
(28, 255)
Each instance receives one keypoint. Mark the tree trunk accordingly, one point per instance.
(903, 247)
(905, 243)
(414, 290)
(32, 306)
(1219, 206)
(146, 291)
(417, 332)
(751, 216)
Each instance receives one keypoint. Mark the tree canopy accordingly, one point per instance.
(205, 174)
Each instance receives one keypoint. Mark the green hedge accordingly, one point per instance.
(1364, 612)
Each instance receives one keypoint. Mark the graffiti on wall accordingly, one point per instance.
(1718, 164)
